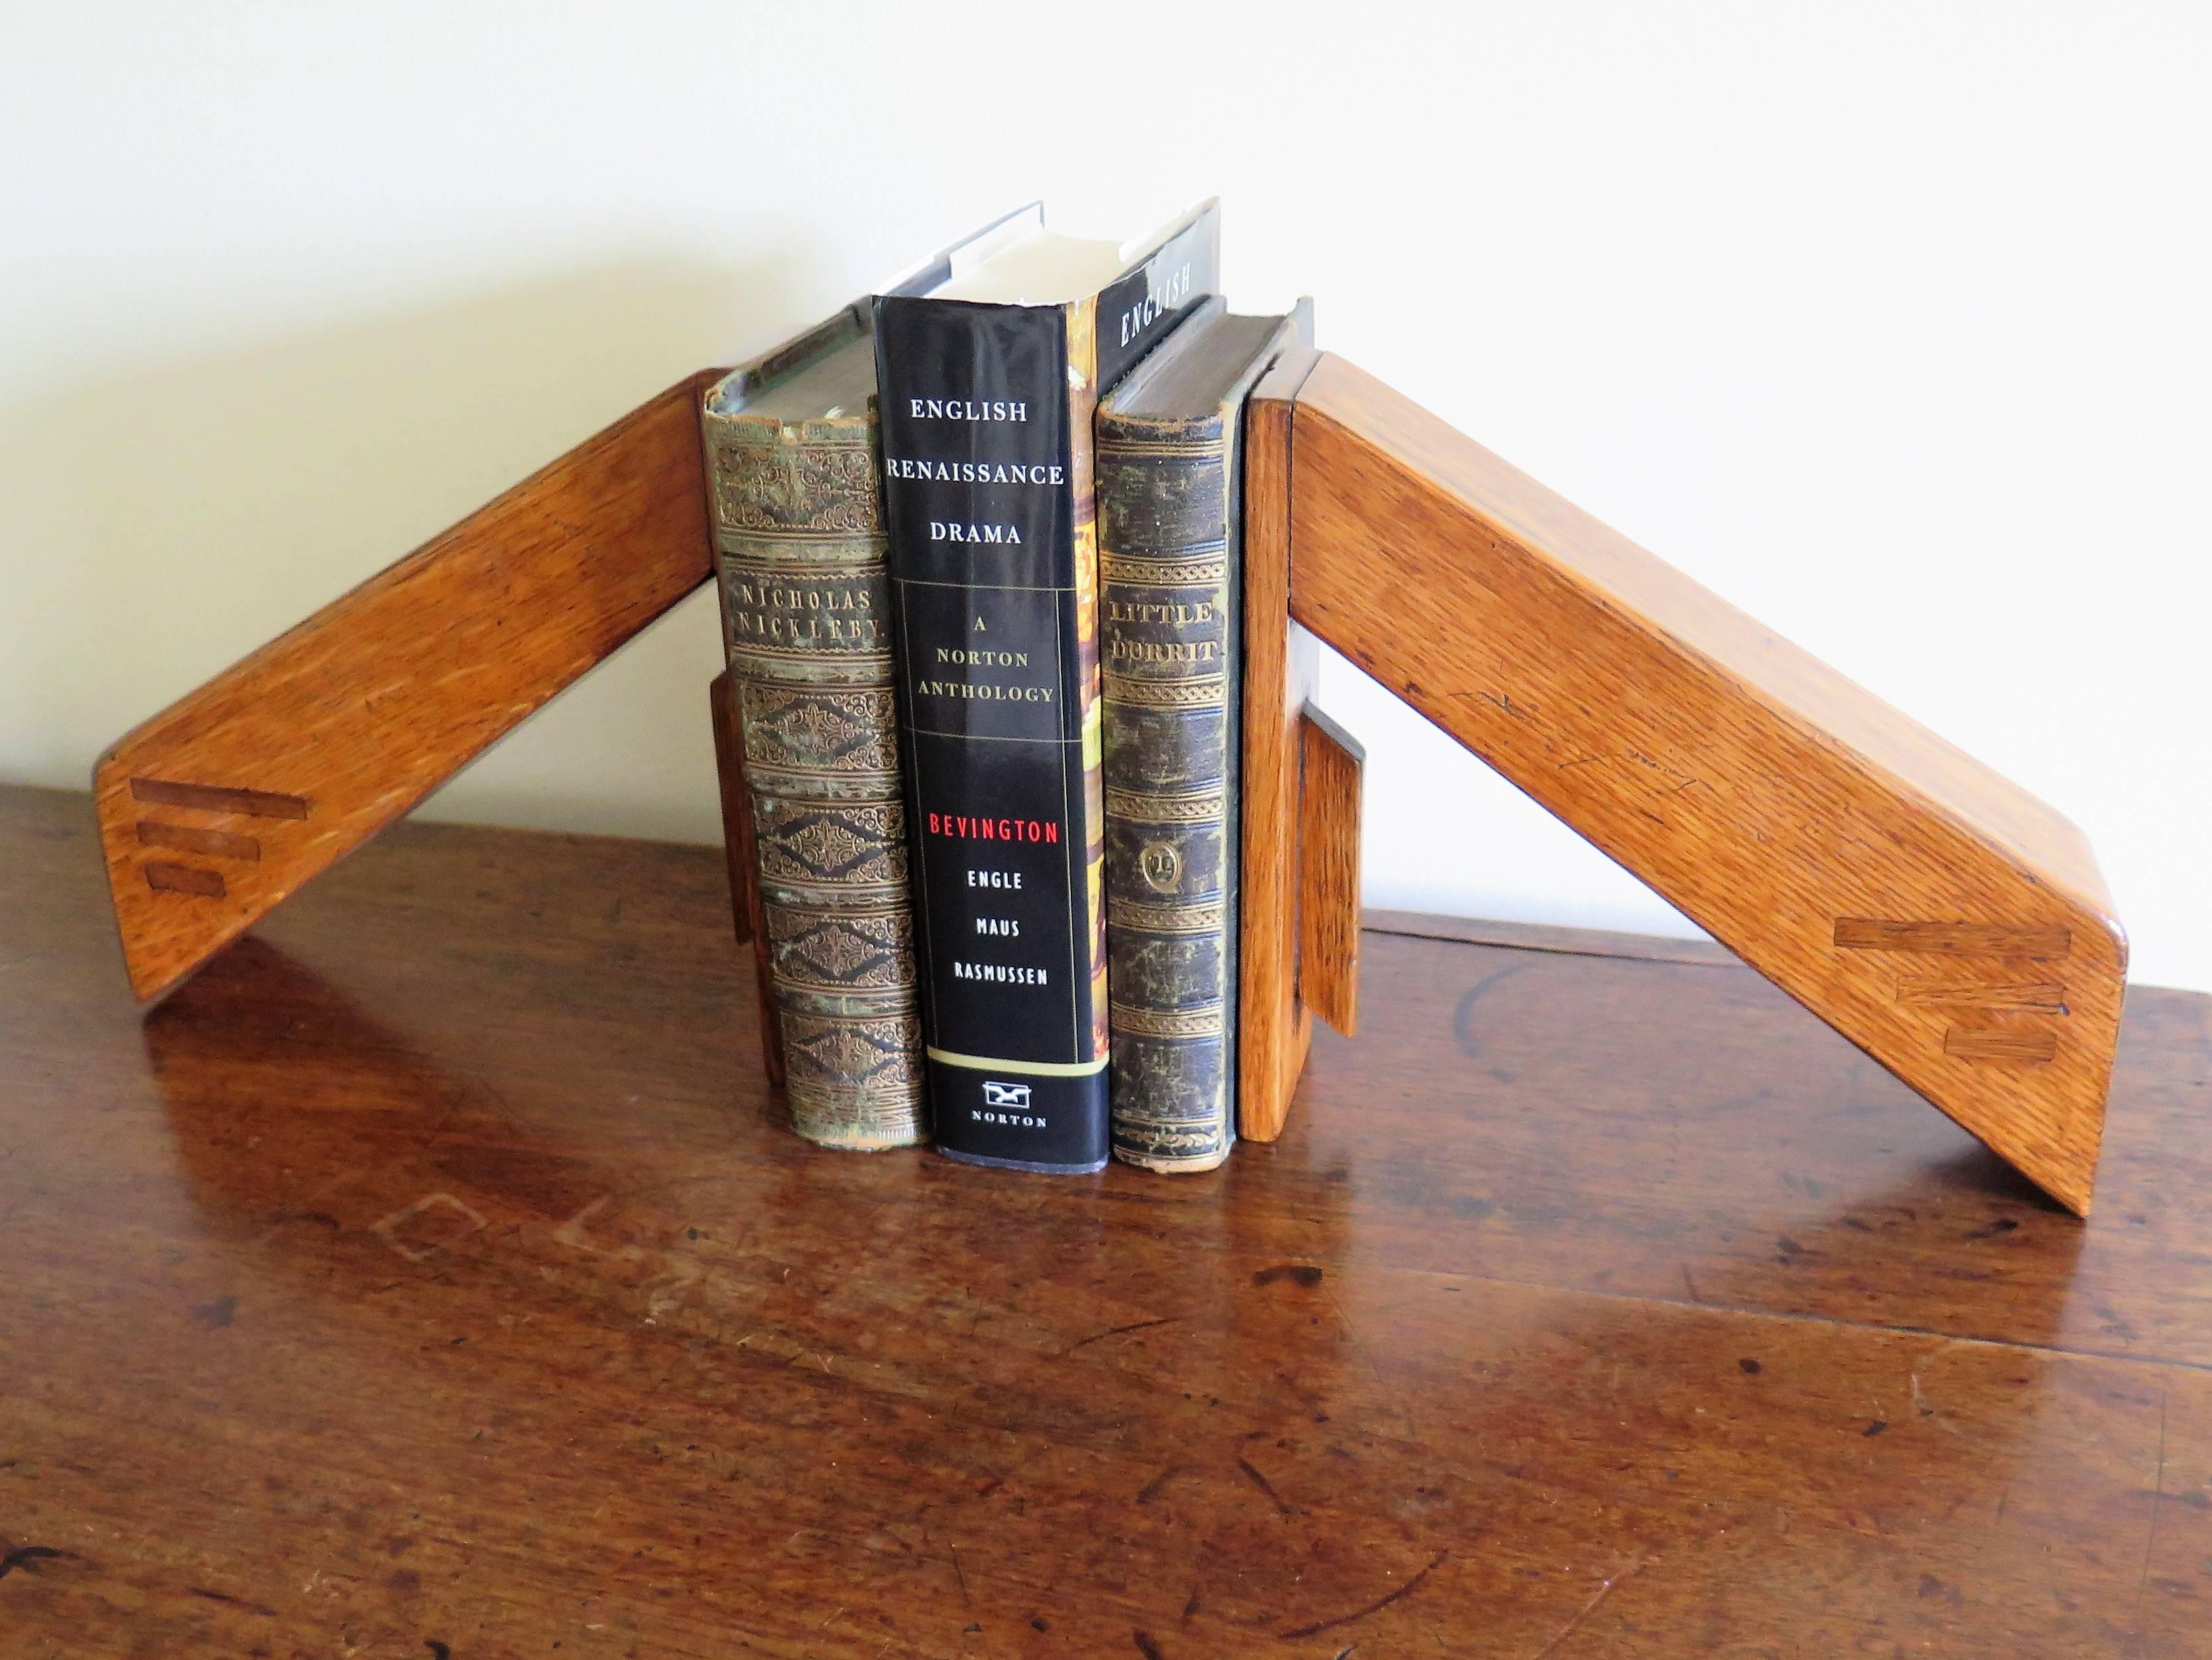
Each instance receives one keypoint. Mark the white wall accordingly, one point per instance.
(1886, 321)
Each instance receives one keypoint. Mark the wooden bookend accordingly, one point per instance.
(742, 855)
(219, 808)
(1941, 919)
(1298, 903)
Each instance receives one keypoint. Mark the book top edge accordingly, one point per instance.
(740, 391)
(1194, 385)
(1092, 265)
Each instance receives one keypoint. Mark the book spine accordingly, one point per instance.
(1168, 578)
(800, 560)
(988, 500)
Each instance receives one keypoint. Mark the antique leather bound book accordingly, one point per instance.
(798, 558)
(990, 377)
(1170, 581)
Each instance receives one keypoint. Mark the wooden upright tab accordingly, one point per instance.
(1331, 768)
(216, 809)
(1940, 918)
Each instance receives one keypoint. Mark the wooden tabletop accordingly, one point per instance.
(431, 1275)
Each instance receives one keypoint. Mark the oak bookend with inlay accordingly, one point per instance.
(222, 806)
(1938, 916)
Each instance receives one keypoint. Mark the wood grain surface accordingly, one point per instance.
(1282, 675)
(219, 808)
(1840, 849)
(432, 1276)
(1331, 765)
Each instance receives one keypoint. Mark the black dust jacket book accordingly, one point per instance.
(986, 405)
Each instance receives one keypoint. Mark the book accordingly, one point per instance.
(799, 560)
(819, 842)
(1170, 583)
(989, 377)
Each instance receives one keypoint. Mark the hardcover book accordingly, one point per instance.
(1170, 580)
(799, 555)
(990, 375)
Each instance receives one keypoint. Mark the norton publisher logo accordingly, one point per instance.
(1006, 1103)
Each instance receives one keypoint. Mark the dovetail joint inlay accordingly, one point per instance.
(220, 797)
(187, 838)
(185, 878)
(2033, 939)
(2001, 1043)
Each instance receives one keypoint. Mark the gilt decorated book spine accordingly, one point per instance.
(1167, 571)
(799, 557)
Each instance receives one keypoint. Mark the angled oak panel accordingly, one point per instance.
(1940, 918)
(216, 809)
